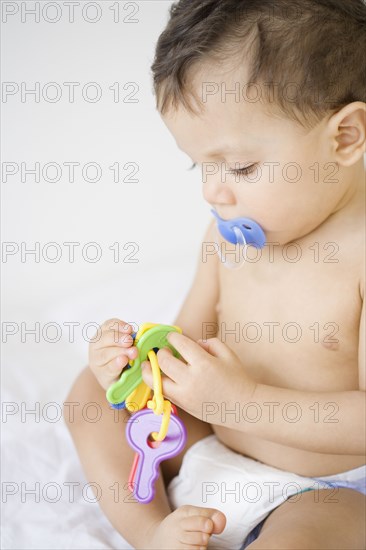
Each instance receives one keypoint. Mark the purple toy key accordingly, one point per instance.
(138, 429)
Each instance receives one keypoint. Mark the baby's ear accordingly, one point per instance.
(348, 133)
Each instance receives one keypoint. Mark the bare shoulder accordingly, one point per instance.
(346, 232)
(353, 227)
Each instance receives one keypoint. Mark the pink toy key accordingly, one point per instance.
(146, 466)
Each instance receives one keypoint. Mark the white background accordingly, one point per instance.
(163, 213)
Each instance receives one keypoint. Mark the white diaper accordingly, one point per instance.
(246, 490)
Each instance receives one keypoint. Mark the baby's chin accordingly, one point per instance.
(282, 238)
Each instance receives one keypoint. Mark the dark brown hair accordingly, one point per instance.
(316, 46)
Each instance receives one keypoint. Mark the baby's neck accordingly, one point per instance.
(354, 187)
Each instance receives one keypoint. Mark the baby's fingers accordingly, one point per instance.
(110, 373)
(110, 364)
(112, 338)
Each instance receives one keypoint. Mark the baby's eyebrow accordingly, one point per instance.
(239, 151)
(218, 152)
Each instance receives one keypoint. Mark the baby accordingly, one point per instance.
(269, 99)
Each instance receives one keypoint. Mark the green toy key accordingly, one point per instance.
(154, 337)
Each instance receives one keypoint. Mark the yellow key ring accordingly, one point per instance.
(158, 404)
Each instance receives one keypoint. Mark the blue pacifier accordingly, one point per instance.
(240, 232)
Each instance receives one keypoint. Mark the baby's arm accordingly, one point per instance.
(200, 304)
(199, 307)
(323, 422)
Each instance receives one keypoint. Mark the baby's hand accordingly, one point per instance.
(187, 384)
(112, 351)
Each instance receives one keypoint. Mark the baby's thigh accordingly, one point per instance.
(86, 409)
(320, 519)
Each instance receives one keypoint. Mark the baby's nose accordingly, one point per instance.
(218, 194)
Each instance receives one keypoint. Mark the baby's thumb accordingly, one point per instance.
(203, 344)
(215, 347)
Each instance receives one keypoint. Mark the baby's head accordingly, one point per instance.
(278, 86)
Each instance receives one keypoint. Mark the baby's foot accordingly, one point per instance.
(188, 527)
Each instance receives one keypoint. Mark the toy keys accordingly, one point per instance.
(156, 433)
(149, 336)
(145, 469)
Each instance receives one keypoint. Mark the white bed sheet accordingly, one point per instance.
(36, 450)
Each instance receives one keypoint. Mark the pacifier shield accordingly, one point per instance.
(240, 233)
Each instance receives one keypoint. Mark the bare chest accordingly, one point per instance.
(292, 316)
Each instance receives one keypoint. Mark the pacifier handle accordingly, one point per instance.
(244, 231)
